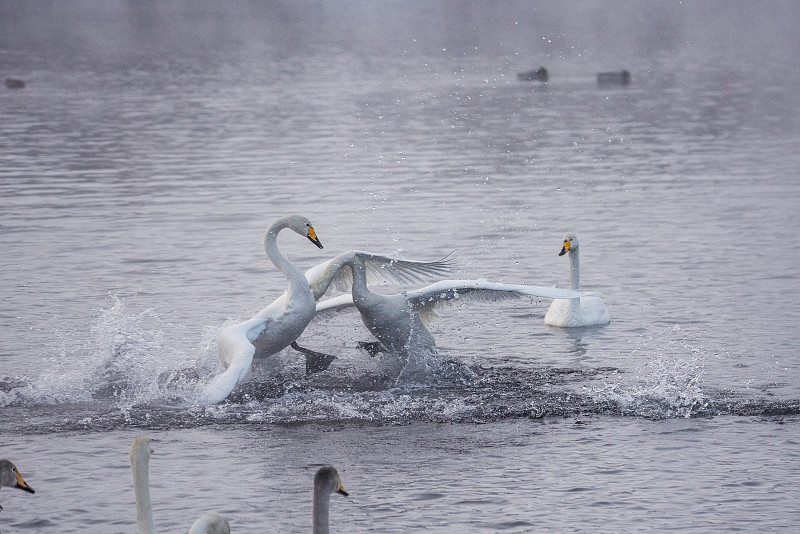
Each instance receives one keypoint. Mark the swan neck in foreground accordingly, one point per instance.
(322, 500)
(141, 486)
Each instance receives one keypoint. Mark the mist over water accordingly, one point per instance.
(154, 142)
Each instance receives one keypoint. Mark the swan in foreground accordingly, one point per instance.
(326, 482)
(140, 466)
(279, 324)
(10, 477)
(399, 321)
(583, 311)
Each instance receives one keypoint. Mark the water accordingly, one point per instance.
(137, 181)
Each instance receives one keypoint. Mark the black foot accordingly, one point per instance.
(316, 362)
(373, 347)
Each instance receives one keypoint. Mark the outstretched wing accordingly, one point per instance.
(426, 298)
(335, 304)
(380, 269)
(236, 352)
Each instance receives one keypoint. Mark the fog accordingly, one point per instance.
(611, 32)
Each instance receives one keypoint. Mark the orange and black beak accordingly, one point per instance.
(21, 484)
(565, 248)
(312, 236)
(341, 490)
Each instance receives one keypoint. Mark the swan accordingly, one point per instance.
(140, 466)
(210, 523)
(399, 321)
(326, 482)
(10, 477)
(273, 328)
(583, 311)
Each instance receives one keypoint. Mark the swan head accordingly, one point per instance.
(569, 244)
(328, 480)
(302, 226)
(10, 477)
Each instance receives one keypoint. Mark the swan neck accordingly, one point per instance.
(360, 290)
(141, 487)
(322, 501)
(574, 270)
(275, 256)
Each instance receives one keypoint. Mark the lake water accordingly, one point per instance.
(137, 181)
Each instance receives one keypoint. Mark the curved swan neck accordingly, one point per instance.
(275, 256)
(322, 500)
(141, 485)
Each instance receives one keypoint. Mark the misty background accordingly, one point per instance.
(609, 33)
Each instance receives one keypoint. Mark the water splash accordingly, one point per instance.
(127, 359)
(667, 384)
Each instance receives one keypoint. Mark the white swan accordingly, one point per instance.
(326, 482)
(583, 311)
(10, 477)
(210, 523)
(398, 321)
(140, 467)
(238, 344)
(274, 327)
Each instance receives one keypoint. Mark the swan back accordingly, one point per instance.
(210, 523)
(10, 477)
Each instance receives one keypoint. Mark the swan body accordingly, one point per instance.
(326, 482)
(575, 312)
(10, 477)
(140, 467)
(398, 321)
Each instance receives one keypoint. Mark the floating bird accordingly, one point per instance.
(622, 77)
(140, 466)
(10, 477)
(584, 311)
(538, 75)
(399, 321)
(210, 523)
(326, 482)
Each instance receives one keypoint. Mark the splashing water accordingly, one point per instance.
(667, 384)
(128, 359)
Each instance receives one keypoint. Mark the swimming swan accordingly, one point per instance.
(399, 321)
(140, 467)
(210, 523)
(326, 482)
(10, 477)
(280, 323)
(584, 311)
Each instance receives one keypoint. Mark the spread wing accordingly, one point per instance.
(380, 269)
(426, 298)
(236, 352)
(335, 304)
